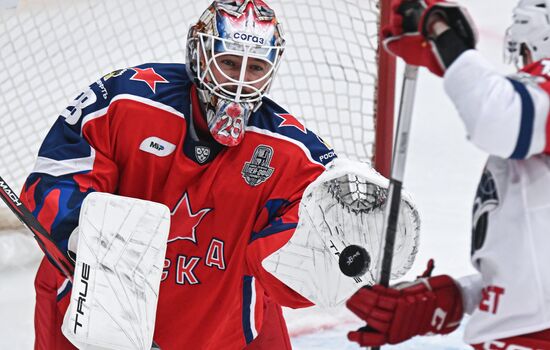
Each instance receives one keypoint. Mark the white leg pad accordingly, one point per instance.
(120, 255)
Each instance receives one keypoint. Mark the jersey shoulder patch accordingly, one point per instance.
(161, 85)
(153, 81)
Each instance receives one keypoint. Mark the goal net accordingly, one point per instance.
(329, 77)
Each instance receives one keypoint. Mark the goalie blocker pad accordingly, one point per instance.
(343, 206)
(120, 255)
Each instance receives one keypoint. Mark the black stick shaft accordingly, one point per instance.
(391, 213)
(42, 236)
(394, 197)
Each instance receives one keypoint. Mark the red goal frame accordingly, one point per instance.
(385, 99)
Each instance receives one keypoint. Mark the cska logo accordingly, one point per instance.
(184, 269)
(185, 221)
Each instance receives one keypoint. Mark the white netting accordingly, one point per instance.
(51, 49)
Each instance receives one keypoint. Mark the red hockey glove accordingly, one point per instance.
(393, 315)
(409, 36)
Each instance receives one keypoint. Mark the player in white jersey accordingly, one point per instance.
(506, 116)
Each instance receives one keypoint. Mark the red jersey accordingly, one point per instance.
(131, 133)
(539, 73)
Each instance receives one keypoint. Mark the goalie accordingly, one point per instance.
(230, 165)
(507, 116)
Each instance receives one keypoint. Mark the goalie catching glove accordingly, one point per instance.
(429, 305)
(342, 208)
(410, 36)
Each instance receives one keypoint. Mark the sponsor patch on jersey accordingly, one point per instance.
(202, 153)
(257, 170)
(101, 86)
(157, 146)
(327, 156)
(114, 74)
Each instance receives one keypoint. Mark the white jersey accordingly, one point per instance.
(507, 118)
(510, 249)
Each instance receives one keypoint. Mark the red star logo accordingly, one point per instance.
(148, 76)
(290, 120)
(185, 221)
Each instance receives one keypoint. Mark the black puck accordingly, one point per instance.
(354, 261)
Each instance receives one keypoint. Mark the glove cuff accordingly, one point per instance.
(449, 299)
(448, 47)
(454, 41)
(456, 17)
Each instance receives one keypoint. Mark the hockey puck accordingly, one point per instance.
(354, 261)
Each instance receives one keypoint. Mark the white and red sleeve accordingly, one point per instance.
(504, 116)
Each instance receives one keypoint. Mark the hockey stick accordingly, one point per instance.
(49, 247)
(391, 212)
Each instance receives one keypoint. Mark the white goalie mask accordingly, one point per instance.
(233, 52)
(531, 28)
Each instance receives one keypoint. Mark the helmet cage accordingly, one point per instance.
(236, 86)
(233, 53)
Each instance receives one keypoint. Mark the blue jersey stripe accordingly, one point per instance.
(247, 308)
(527, 121)
(271, 230)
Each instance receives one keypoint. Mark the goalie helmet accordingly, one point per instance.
(530, 30)
(233, 52)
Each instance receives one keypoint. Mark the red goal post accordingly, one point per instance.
(385, 101)
(333, 77)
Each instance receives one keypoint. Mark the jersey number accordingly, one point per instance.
(231, 126)
(73, 112)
